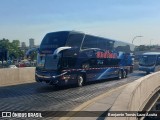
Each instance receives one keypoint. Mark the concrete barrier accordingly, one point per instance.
(11, 76)
(136, 95)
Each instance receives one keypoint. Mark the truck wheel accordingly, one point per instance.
(80, 80)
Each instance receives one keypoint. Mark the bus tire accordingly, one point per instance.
(131, 69)
(80, 80)
(124, 74)
(127, 73)
(147, 72)
(119, 75)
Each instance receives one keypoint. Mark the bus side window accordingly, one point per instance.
(74, 40)
(105, 44)
(158, 60)
(89, 42)
(102, 44)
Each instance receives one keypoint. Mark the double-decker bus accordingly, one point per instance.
(70, 57)
(150, 62)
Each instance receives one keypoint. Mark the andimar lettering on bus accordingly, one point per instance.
(106, 54)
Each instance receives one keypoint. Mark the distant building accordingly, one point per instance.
(23, 45)
(31, 43)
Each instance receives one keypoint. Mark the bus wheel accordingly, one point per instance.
(80, 80)
(124, 74)
(131, 69)
(147, 72)
(120, 74)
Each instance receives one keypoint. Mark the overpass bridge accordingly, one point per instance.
(19, 92)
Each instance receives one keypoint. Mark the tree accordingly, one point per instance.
(13, 48)
(142, 48)
(16, 43)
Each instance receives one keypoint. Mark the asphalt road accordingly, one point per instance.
(42, 97)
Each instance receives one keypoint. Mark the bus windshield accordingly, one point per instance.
(51, 62)
(148, 60)
(59, 39)
(54, 40)
(51, 42)
(47, 62)
(40, 61)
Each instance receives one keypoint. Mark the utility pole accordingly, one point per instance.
(135, 38)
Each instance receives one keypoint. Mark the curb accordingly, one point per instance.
(89, 102)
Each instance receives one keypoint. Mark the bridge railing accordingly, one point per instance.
(136, 95)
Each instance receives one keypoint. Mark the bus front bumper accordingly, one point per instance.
(48, 78)
(147, 69)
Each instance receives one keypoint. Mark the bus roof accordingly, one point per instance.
(151, 53)
(73, 31)
(69, 31)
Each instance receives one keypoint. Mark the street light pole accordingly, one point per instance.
(135, 38)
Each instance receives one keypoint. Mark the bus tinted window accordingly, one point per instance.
(89, 42)
(50, 62)
(105, 44)
(54, 40)
(102, 44)
(97, 42)
(74, 40)
(148, 60)
(158, 60)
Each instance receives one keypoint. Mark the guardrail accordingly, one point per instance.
(136, 95)
(14, 76)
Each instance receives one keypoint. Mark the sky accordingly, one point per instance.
(116, 19)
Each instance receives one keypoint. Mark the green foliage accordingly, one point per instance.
(33, 56)
(145, 47)
(142, 48)
(12, 48)
(16, 43)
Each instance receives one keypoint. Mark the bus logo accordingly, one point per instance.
(106, 54)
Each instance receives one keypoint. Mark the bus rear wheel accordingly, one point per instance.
(120, 75)
(80, 80)
(124, 74)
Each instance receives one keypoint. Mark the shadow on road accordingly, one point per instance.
(38, 88)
